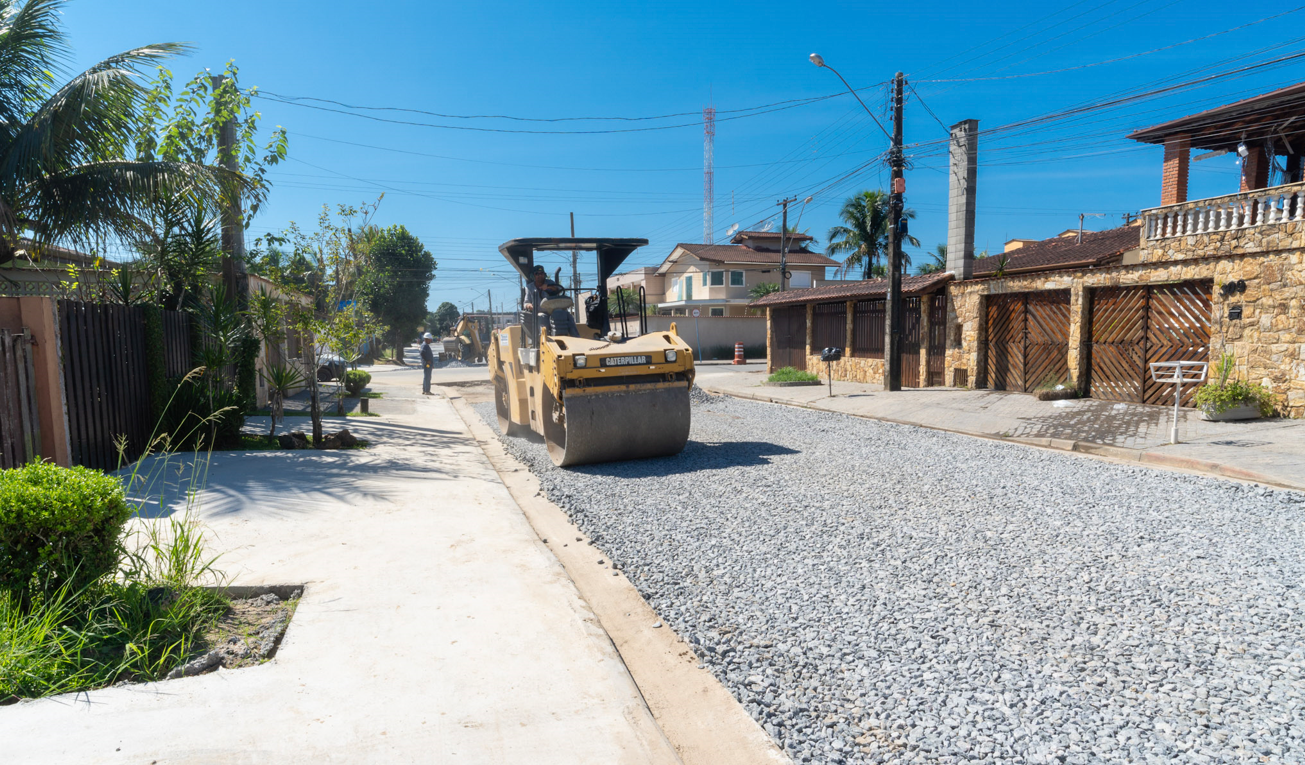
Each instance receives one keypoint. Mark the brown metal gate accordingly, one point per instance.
(937, 339)
(1134, 326)
(788, 340)
(20, 423)
(1028, 340)
(910, 350)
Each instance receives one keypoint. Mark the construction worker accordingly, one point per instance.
(542, 288)
(427, 362)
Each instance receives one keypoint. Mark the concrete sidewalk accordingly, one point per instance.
(1269, 451)
(434, 628)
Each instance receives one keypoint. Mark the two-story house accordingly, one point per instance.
(717, 278)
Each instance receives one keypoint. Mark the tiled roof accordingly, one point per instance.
(911, 285)
(1056, 253)
(792, 236)
(1223, 127)
(737, 253)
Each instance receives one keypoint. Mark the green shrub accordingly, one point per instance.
(201, 415)
(789, 374)
(355, 380)
(1224, 393)
(58, 526)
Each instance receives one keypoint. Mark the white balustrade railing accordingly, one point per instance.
(1208, 216)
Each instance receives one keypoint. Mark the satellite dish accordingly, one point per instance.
(730, 231)
(769, 225)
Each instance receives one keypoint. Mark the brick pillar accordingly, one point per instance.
(926, 311)
(847, 339)
(1255, 169)
(1173, 187)
(1079, 338)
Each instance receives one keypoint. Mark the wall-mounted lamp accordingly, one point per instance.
(1242, 150)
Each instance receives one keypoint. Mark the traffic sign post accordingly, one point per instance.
(1178, 373)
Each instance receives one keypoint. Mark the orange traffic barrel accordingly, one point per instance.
(738, 354)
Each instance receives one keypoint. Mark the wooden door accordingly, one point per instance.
(1134, 326)
(1005, 363)
(788, 342)
(1177, 329)
(1046, 339)
(910, 347)
(937, 338)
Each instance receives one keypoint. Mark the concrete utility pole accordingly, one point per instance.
(233, 227)
(896, 231)
(783, 243)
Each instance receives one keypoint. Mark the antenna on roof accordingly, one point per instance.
(768, 226)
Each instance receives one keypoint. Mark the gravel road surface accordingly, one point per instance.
(882, 593)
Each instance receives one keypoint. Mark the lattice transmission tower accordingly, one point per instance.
(708, 173)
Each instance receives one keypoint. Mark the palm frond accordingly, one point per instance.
(32, 48)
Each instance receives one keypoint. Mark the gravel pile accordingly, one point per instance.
(881, 593)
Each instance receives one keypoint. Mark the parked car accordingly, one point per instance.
(331, 367)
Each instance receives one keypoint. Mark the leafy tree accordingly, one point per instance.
(863, 240)
(626, 296)
(442, 320)
(937, 261)
(759, 291)
(396, 283)
(64, 148)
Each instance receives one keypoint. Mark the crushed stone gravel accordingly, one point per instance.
(880, 593)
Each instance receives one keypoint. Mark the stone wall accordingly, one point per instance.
(849, 369)
(1268, 341)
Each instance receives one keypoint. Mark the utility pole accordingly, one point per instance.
(783, 243)
(575, 278)
(896, 232)
(233, 228)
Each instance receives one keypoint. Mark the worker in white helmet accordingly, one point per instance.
(427, 362)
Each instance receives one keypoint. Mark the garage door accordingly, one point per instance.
(1028, 340)
(1134, 326)
(788, 339)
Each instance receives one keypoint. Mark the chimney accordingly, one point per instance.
(960, 198)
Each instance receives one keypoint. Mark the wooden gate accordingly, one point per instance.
(1028, 340)
(20, 423)
(788, 339)
(910, 348)
(937, 339)
(1134, 326)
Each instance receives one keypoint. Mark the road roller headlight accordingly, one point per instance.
(671, 355)
(581, 361)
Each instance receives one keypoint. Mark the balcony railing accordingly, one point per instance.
(1263, 207)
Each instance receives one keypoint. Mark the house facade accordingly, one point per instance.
(1189, 280)
(717, 278)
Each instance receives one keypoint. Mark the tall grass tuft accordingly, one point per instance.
(146, 615)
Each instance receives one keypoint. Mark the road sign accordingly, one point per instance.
(696, 313)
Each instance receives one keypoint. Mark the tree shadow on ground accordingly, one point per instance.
(292, 482)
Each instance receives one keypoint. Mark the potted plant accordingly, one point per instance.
(1231, 399)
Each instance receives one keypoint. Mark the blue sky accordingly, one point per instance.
(464, 192)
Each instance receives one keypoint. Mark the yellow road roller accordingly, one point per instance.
(602, 390)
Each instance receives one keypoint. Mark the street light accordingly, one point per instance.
(819, 61)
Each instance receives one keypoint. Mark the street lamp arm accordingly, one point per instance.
(851, 90)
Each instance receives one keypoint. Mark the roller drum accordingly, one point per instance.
(625, 425)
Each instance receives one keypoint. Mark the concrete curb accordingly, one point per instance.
(1155, 459)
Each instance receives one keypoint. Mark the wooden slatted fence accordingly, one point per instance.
(909, 352)
(868, 329)
(106, 382)
(828, 326)
(20, 423)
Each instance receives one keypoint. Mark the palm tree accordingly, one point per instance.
(64, 176)
(864, 238)
(937, 261)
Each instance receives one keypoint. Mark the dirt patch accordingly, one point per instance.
(249, 633)
(476, 392)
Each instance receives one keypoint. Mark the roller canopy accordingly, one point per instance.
(611, 252)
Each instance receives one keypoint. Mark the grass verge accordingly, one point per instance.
(789, 374)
